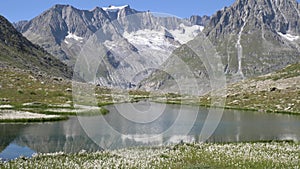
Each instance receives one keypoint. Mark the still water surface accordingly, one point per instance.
(142, 125)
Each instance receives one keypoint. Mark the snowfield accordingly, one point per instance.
(73, 36)
(186, 33)
(149, 39)
(288, 36)
(114, 8)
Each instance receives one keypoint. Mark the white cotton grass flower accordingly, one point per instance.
(233, 155)
(6, 106)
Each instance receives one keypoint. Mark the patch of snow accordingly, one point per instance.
(288, 36)
(73, 36)
(186, 33)
(201, 28)
(148, 38)
(114, 8)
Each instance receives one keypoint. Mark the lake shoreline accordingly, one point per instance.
(231, 107)
(48, 113)
(18, 116)
(71, 111)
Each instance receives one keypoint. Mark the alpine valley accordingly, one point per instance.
(150, 51)
(115, 87)
(252, 37)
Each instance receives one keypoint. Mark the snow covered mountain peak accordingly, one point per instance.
(137, 42)
(112, 8)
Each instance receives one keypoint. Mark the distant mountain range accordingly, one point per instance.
(17, 51)
(252, 37)
(135, 41)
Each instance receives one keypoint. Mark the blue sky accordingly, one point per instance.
(16, 10)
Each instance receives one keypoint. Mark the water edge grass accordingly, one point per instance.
(196, 155)
(31, 120)
(49, 113)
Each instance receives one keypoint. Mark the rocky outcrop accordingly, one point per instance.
(20, 25)
(198, 20)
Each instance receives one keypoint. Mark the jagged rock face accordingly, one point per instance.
(252, 37)
(51, 29)
(17, 51)
(198, 20)
(256, 36)
(134, 40)
(20, 25)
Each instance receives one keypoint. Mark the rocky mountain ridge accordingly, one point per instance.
(146, 38)
(17, 51)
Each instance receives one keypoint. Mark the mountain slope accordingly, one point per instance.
(57, 27)
(17, 51)
(275, 92)
(252, 37)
